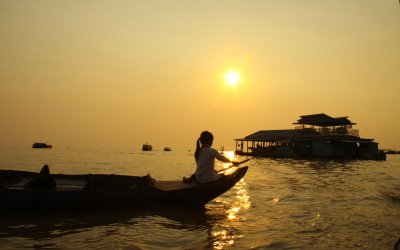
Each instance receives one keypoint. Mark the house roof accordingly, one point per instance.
(272, 135)
(323, 120)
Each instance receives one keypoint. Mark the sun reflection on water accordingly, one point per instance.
(226, 237)
(227, 167)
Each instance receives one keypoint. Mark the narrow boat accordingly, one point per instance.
(76, 192)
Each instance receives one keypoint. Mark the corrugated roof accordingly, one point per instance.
(323, 120)
(272, 135)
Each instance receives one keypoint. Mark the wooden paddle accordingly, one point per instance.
(233, 165)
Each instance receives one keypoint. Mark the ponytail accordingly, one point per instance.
(197, 152)
(206, 138)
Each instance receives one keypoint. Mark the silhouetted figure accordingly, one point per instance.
(43, 181)
(205, 157)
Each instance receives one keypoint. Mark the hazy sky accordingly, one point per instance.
(122, 73)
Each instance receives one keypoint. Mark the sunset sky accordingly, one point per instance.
(122, 73)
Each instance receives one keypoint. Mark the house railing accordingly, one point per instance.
(329, 131)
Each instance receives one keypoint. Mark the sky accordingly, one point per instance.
(118, 74)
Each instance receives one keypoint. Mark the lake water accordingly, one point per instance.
(280, 204)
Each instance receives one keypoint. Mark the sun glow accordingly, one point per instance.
(232, 78)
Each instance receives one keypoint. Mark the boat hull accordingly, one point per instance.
(80, 195)
(41, 145)
(147, 147)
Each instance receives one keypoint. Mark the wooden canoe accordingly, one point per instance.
(101, 190)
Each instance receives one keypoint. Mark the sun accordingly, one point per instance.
(232, 78)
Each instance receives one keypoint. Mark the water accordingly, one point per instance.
(280, 204)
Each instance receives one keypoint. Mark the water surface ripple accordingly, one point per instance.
(280, 204)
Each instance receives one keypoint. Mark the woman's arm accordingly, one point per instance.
(222, 157)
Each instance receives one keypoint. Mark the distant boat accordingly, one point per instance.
(390, 151)
(41, 145)
(147, 147)
(167, 149)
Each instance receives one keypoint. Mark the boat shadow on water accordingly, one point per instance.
(50, 225)
(107, 206)
(392, 195)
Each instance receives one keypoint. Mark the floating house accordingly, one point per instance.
(317, 135)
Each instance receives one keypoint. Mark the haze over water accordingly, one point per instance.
(121, 73)
(280, 204)
(85, 76)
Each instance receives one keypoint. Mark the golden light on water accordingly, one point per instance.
(230, 154)
(228, 166)
(242, 196)
(232, 78)
(227, 237)
(232, 213)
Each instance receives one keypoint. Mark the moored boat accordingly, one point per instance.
(147, 147)
(41, 145)
(101, 190)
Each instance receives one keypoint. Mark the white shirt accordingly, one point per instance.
(205, 165)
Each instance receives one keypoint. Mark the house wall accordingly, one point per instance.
(321, 149)
(333, 149)
(373, 148)
(370, 148)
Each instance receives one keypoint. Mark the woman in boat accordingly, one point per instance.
(43, 181)
(205, 159)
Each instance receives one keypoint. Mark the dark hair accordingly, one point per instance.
(206, 138)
